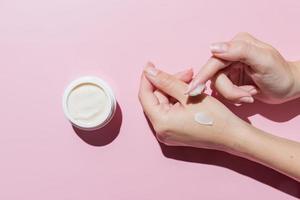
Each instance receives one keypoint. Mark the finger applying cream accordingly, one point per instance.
(198, 89)
(212, 66)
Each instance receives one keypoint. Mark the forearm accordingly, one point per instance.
(280, 154)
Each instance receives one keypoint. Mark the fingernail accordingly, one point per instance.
(218, 47)
(150, 70)
(198, 90)
(246, 99)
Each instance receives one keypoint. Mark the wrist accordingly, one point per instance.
(240, 136)
(233, 135)
(249, 142)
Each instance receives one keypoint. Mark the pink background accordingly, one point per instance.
(46, 44)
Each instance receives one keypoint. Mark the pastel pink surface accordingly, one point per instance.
(46, 44)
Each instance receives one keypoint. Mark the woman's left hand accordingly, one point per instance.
(174, 122)
(172, 115)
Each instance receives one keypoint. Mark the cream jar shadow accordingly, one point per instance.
(89, 103)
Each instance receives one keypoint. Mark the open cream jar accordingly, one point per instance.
(89, 103)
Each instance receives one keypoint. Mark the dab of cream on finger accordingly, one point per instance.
(198, 90)
(203, 118)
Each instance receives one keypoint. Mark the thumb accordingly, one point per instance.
(167, 83)
(243, 51)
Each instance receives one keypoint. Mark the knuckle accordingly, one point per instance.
(273, 53)
(243, 49)
(243, 35)
(271, 57)
(270, 54)
(242, 46)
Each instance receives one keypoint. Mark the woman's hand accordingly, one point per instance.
(245, 67)
(172, 113)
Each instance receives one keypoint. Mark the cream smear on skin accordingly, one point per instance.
(203, 118)
(88, 104)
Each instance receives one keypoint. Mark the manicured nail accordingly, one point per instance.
(246, 99)
(218, 47)
(198, 90)
(150, 70)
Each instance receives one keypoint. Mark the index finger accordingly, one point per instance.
(208, 71)
(167, 83)
(147, 97)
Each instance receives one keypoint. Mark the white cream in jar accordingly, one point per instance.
(89, 103)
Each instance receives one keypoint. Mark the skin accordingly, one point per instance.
(171, 113)
(245, 69)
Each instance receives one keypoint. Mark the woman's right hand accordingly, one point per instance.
(245, 67)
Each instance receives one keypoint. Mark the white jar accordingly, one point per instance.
(89, 103)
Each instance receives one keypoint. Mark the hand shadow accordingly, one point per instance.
(275, 112)
(105, 135)
(241, 165)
